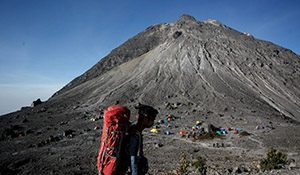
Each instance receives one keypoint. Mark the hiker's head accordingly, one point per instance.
(146, 115)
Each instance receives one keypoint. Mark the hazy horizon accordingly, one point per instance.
(20, 96)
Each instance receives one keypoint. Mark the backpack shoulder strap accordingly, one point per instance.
(140, 151)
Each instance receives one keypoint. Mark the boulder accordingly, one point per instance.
(36, 102)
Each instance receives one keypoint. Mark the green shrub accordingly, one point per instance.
(186, 167)
(200, 165)
(274, 160)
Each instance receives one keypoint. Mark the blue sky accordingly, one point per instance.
(44, 44)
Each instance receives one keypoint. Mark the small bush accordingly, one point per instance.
(186, 167)
(200, 165)
(274, 160)
(183, 165)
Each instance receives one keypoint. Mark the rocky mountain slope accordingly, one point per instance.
(190, 69)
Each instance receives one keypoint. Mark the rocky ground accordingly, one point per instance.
(65, 140)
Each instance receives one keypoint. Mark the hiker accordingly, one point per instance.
(145, 119)
(124, 153)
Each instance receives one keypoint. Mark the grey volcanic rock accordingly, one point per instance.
(191, 70)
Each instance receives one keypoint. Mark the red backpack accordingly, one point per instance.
(115, 125)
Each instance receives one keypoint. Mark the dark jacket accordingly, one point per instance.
(134, 162)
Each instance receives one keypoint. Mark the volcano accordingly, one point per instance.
(189, 69)
(205, 63)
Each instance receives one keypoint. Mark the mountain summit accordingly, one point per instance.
(186, 18)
